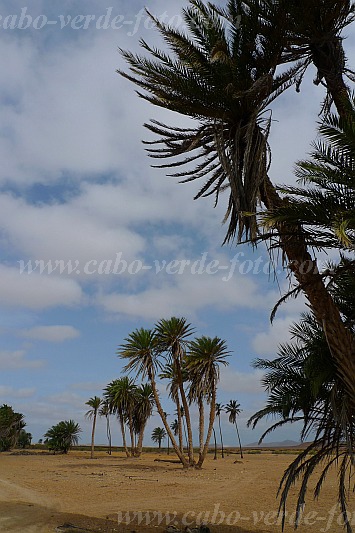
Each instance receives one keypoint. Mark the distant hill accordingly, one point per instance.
(282, 444)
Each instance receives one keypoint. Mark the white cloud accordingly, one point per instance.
(16, 360)
(187, 294)
(35, 291)
(51, 333)
(89, 386)
(240, 382)
(67, 398)
(266, 343)
(10, 392)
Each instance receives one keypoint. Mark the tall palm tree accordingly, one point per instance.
(140, 351)
(143, 410)
(214, 75)
(105, 411)
(158, 435)
(232, 408)
(202, 362)
(170, 374)
(215, 444)
(168, 439)
(219, 410)
(119, 393)
(95, 404)
(172, 338)
(302, 385)
(175, 427)
(180, 413)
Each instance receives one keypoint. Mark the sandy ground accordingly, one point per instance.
(40, 492)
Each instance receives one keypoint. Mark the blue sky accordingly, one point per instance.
(76, 187)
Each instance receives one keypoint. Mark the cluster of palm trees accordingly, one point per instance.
(131, 404)
(224, 71)
(191, 367)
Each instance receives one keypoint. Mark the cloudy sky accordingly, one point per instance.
(77, 190)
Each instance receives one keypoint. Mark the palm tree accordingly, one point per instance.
(168, 440)
(158, 435)
(169, 373)
(172, 338)
(24, 439)
(202, 362)
(232, 408)
(215, 445)
(105, 411)
(299, 380)
(219, 409)
(120, 396)
(175, 427)
(143, 410)
(63, 436)
(213, 75)
(140, 351)
(303, 385)
(180, 413)
(95, 404)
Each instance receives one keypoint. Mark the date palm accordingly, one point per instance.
(224, 73)
(232, 409)
(105, 411)
(158, 435)
(175, 427)
(63, 436)
(143, 410)
(140, 350)
(171, 339)
(205, 355)
(95, 404)
(219, 410)
(170, 374)
(116, 394)
(303, 385)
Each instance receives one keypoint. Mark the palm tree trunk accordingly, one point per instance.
(215, 445)
(340, 340)
(185, 433)
(220, 432)
(179, 417)
(108, 433)
(240, 443)
(131, 431)
(93, 436)
(210, 427)
(187, 412)
(163, 419)
(201, 431)
(140, 440)
(328, 58)
(124, 435)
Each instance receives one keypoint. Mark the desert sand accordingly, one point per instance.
(41, 492)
